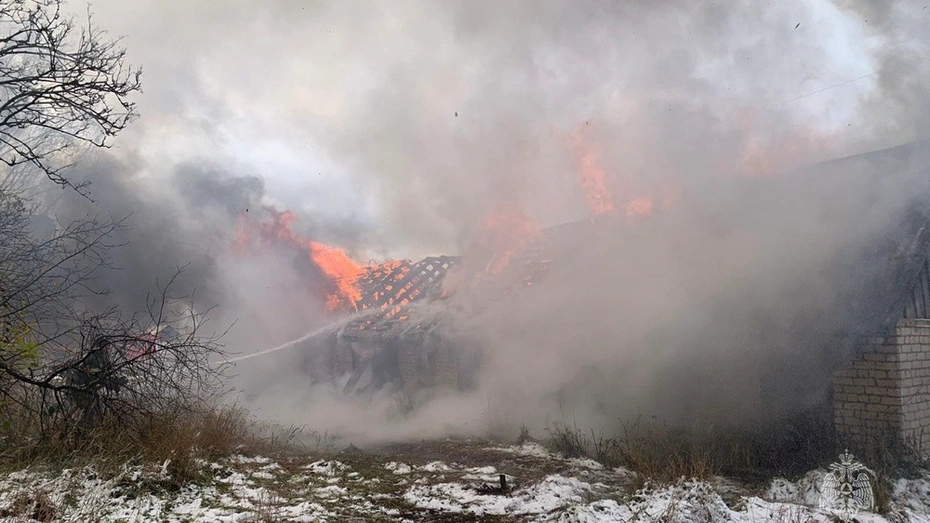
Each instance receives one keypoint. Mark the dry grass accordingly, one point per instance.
(663, 454)
(31, 506)
(178, 440)
(657, 454)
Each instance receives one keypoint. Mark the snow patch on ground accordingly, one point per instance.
(240, 459)
(326, 468)
(586, 463)
(805, 491)
(248, 489)
(435, 466)
(135, 494)
(913, 494)
(398, 468)
(529, 449)
(551, 493)
(685, 502)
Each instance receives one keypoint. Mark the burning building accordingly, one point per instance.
(864, 363)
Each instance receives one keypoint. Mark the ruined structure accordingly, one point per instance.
(401, 332)
(403, 335)
(881, 395)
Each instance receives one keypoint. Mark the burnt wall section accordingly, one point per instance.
(408, 360)
(883, 396)
(427, 366)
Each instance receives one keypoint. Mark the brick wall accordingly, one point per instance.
(885, 392)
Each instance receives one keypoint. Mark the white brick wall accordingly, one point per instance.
(885, 392)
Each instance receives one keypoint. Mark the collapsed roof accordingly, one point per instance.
(887, 281)
(406, 303)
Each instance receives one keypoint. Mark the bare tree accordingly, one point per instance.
(153, 363)
(43, 276)
(60, 84)
(60, 363)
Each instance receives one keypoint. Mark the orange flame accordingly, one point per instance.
(638, 207)
(340, 270)
(592, 176)
(506, 231)
(593, 181)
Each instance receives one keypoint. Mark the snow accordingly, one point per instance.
(254, 488)
(558, 498)
(806, 491)
(551, 493)
(913, 494)
(435, 466)
(330, 491)
(399, 468)
(326, 468)
(586, 463)
(122, 498)
(529, 449)
(482, 474)
(240, 459)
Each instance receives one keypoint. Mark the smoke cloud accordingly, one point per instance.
(395, 130)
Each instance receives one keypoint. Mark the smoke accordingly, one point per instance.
(894, 111)
(186, 219)
(397, 129)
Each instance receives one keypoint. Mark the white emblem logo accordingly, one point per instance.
(846, 488)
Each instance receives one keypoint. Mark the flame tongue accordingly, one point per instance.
(638, 207)
(339, 269)
(591, 175)
(593, 180)
(509, 230)
(501, 242)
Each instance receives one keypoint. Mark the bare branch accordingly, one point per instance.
(60, 84)
(65, 365)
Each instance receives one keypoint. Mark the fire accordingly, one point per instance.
(340, 270)
(593, 179)
(592, 176)
(638, 207)
(507, 230)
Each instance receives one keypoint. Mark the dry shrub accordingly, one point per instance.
(31, 506)
(662, 456)
(182, 440)
(663, 453)
(570, 442)
(179, 440)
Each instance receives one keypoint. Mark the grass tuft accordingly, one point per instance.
(180, 442)
(31, 506)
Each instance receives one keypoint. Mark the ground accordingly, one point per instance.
(431, 481)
